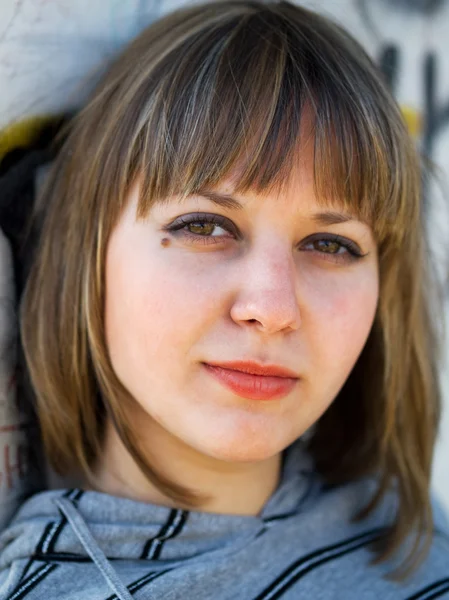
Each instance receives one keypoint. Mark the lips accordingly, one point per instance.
(250, 386)
(246, 366)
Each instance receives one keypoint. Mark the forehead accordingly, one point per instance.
(296, 189)
(299, 171)
(300, 181)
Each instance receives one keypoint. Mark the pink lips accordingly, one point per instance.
(254, 387)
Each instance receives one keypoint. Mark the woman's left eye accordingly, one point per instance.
(332, 245)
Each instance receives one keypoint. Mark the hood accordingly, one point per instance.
(121, 526)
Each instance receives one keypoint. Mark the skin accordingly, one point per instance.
(269, 296)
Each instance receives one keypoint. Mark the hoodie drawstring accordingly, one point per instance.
(81, 529)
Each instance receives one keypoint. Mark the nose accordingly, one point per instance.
(268, 295)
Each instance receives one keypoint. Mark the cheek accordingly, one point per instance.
(156, 307)
(341, 314)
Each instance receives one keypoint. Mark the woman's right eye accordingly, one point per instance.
(201, 227)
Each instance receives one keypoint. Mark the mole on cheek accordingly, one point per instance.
(165, 242)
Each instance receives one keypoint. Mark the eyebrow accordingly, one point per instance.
(331, 218)
(322, 218)
(223, 200)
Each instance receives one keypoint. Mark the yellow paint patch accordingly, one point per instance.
(23, 133)
(414, 120)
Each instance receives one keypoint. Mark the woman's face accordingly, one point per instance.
(270, 283)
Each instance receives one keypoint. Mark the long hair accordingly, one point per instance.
(198, 92)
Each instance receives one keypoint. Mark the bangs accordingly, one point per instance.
(236, 97)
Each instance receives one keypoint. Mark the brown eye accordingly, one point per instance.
(328, 246)
(332, 247)
(201, 228)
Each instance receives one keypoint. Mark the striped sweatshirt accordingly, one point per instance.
(76, 544)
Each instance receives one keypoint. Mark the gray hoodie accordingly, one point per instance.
(75, 544)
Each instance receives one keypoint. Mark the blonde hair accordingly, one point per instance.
(198, 91)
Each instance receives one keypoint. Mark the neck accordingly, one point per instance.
(233, 488)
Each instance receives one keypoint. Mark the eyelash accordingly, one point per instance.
(353, 252)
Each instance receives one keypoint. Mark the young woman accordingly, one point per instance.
(227, 325)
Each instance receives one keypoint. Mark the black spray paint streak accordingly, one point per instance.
(424, 7)
(435, 111)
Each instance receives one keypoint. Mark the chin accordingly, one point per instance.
(242, 451)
